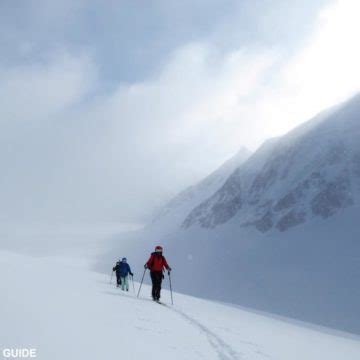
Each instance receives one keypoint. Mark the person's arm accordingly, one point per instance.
(148, 263)
(168, 268)
(129, 270)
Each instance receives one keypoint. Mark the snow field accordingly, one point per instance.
(66, 311)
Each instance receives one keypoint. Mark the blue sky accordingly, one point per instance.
(108, 108)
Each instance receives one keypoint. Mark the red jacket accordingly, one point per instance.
(157, 262)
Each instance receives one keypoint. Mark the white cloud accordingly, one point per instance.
(324, 72)
(46, 88)
(119, 153)
(328, 66)
(184, 116)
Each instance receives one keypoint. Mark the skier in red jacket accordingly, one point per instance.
(156, 265)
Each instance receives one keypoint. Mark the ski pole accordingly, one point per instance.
(172, 301)
(132, 279)
(141, 282)
(112, 273)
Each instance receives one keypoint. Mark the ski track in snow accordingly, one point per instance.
(223, 350)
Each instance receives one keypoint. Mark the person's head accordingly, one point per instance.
(158, 249)
(124, 260)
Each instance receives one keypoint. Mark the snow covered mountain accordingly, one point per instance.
(312, 172)
(173, 214)
(68, 312)
(281, 233)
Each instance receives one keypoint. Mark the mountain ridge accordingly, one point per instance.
(319, 156)
(176, 209)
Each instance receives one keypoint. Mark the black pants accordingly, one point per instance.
(156, 278)
(118, 279)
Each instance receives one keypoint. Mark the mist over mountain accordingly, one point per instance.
(174, 212)
(279, 234)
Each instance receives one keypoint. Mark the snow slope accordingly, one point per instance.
(66, 311)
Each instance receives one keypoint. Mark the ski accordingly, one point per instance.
(160, 303)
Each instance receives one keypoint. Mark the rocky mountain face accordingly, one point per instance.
(311, 172)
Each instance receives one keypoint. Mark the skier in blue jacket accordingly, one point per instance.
(124, 271)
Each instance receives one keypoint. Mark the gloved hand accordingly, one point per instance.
(163, 276)
(145, 266)
(132, 274)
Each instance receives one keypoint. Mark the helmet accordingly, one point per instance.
(123, 259)
(158, 249)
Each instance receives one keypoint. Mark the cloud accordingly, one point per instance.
(36, 139)
(323, 71)
(92, 153)
(74, 148)
(42, 89)
(327, 68)
(182, 116)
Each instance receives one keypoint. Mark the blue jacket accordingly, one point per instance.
(123, 269)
